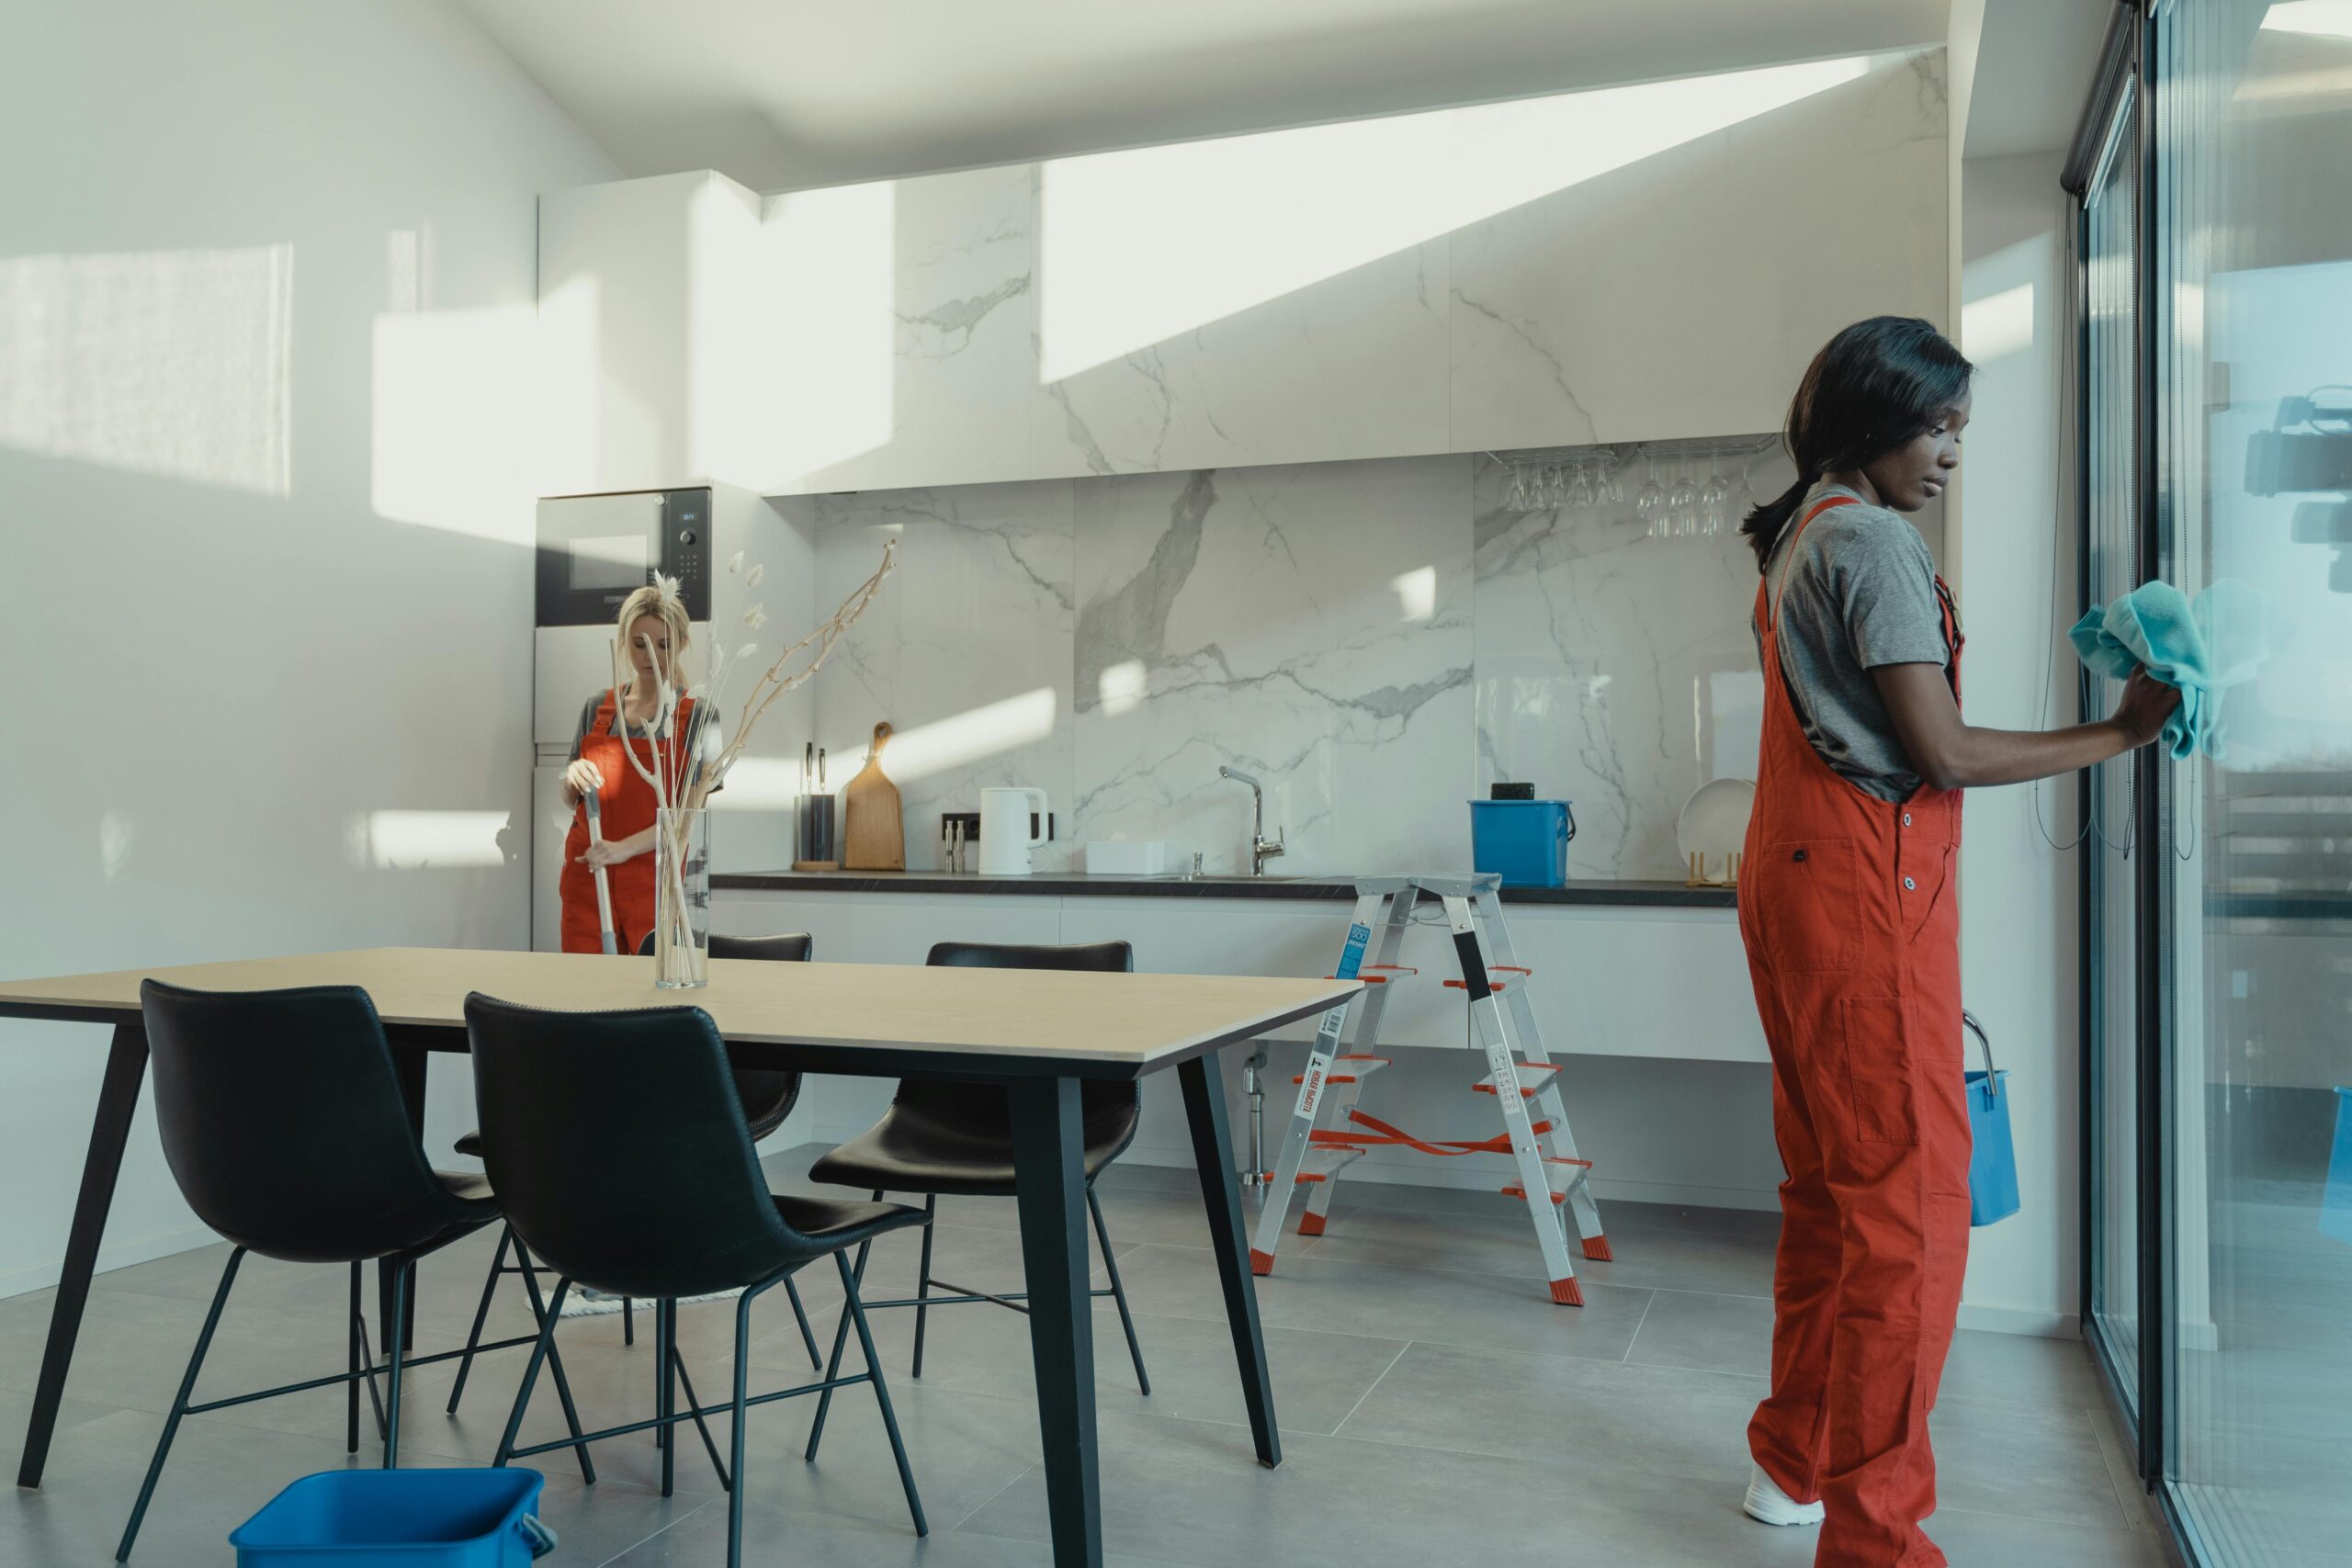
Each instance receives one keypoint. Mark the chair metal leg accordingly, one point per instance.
(922, 1278)
(547, 1314)
(180, 1406)
(545, 1341)
(833, 1366)
(628, 1320)
(666, 1366)
(735, 1454)
(693, 1403)
(368, 1366)
(664, 1311)
(808, 1335)
(1119, 1290)
(393, 1356)
(481, 1315)
(351, 1332)
(856, 1310)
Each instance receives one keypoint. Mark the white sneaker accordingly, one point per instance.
(1767, 1503)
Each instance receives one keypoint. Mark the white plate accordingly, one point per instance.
(1715, 819)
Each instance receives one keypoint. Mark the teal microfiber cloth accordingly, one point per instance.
(2203, 648)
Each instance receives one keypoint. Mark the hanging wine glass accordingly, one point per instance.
(1612, 492)
(1683, 503)
(1518, 496)
(1714, 502)
(1581, 487)
(1649, 506)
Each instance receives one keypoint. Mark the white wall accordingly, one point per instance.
(2017, 904)
(266, 286)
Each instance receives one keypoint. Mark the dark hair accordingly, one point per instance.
(1874, 387)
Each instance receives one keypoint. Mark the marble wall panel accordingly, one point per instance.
(1308, 625)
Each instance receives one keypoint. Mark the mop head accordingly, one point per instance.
(585, 1303)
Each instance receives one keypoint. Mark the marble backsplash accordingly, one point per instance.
(1376, 641)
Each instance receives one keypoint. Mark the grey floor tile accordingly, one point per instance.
(2123, 1467)
(1174, 1487)
(1317, 1377)
(2037, 1464)
(2022, 1368)
(1707, 1332)
(1500, 1239)
(1994, 1540)
(1395, 1303)
(1564, 1410)
(780, 1537)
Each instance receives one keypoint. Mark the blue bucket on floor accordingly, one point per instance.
(1993, 1155)
(399, 1518)
(1525, 841)
(2336, 1203)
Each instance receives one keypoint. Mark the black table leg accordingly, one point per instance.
(1049, 1170)
(1229, 1238)
(117, 1099)
(408, 1065)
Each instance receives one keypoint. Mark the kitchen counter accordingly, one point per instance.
(1331, 887)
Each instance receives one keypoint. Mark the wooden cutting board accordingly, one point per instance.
(874, 830)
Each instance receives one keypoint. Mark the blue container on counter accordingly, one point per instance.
(2336, 1200)
(1523, 841)
(399, 1518)
(1992, 1153)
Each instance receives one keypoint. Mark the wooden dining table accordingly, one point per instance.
(1036, 1034)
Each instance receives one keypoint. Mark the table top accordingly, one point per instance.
(1126, 1024)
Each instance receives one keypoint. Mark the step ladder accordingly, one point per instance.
(1523, 1081)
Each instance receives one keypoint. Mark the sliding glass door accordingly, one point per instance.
(2216, 238)
(2110, 284)
(2254, 220)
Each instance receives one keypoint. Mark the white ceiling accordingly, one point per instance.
(783, 93)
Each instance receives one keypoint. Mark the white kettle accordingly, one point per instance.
(1005, 840)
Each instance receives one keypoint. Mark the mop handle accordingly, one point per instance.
(603, 888)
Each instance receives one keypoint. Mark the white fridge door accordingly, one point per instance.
(550, 823)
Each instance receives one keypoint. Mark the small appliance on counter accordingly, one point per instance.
(1012, 823)
(1521, 840)
(814, 846)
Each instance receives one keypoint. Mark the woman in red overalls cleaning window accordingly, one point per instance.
(1849, 909)
(653, 628)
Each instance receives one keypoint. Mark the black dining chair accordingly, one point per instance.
(767, 1095)
(942, 1137)
(282, 1119)
(632, 1171)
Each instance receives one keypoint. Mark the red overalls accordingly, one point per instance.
(1849, 909)
(626, 804)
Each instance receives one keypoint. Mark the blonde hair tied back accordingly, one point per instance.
(652, 600)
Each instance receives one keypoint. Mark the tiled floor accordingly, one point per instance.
(1433, 1404)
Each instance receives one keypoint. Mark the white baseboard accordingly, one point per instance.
(111, 1256)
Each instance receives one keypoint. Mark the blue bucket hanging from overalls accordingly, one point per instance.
(1993, 1159)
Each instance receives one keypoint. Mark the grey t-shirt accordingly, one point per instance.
(1860, 593)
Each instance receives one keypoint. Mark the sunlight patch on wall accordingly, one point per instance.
(966, 737)
(2326, 19)
(1140, 246)
(833, 272)
(451, 417)
(1416, 593)
(1997, 325)
(1121, 687)
(428, 840)
(177, 363)
(767, 784)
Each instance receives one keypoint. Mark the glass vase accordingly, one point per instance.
(682, 897)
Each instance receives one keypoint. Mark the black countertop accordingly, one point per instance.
(1056, 885)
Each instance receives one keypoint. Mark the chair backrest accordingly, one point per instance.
(618, 1149)
(283, 1122)
(982, 1111)
(768, 1093)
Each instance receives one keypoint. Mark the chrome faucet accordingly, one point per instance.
(1261, 848)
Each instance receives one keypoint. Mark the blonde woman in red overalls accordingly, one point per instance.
(1849, 908)
(653, 630)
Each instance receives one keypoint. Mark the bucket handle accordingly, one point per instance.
(1992, 1079)
(540, 1534)
(1568, 809)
